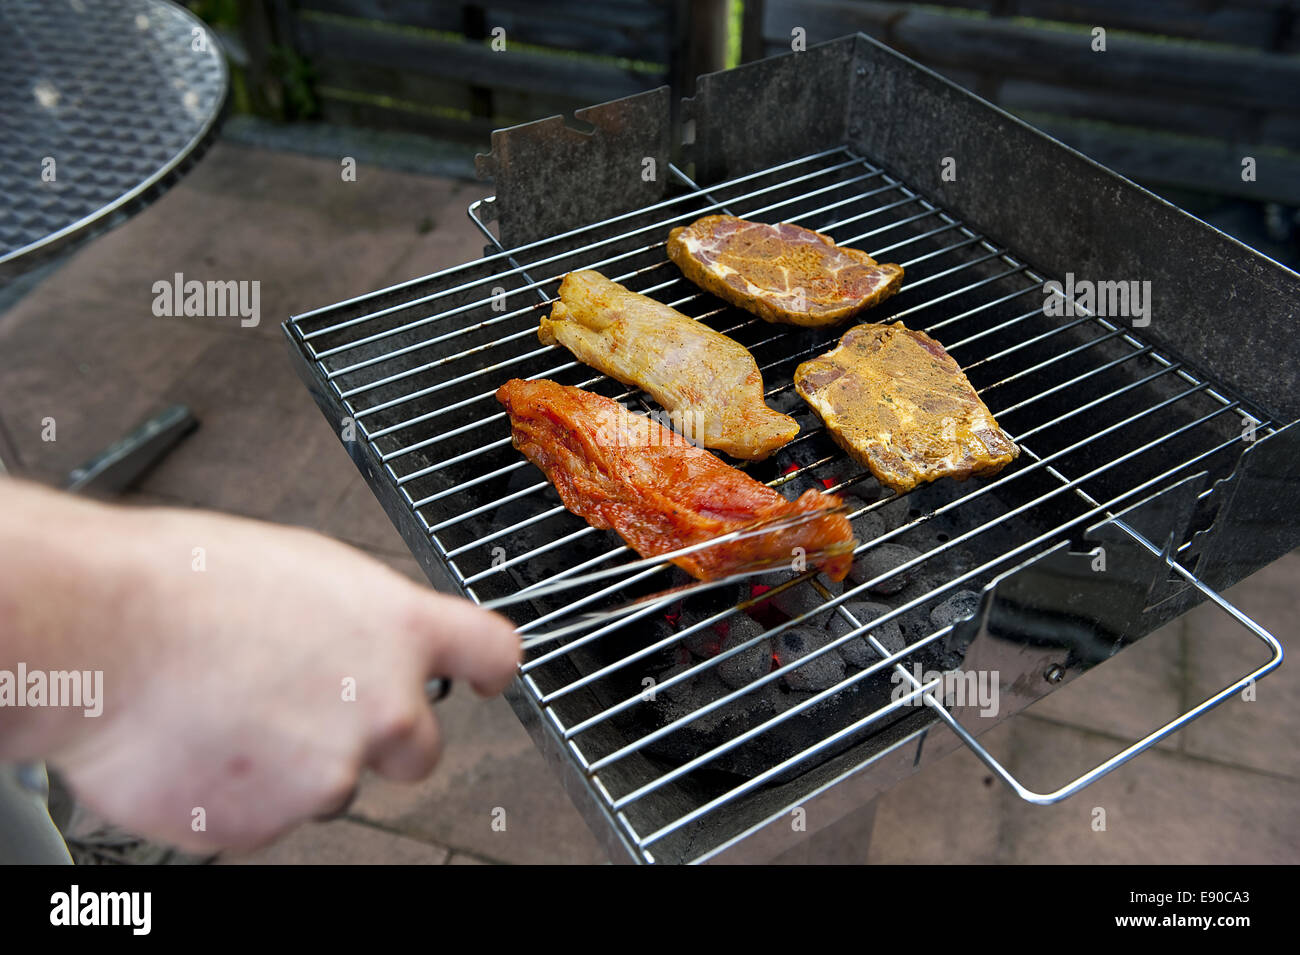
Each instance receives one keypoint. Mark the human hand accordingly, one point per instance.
(246, 696)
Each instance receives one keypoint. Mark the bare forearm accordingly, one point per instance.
(65, 582)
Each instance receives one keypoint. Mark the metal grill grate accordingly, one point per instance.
(1101, 417)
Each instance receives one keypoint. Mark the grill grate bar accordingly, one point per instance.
(966, 290)
(1043, 364)
(1038, 396)
(1003, 326)
(880, 190)
(1035, 286)
(458, 405)
(1131, 339)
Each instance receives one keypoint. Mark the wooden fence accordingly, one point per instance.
(1183, 91)
(460, 70)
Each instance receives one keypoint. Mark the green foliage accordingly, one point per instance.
(216, 13)
(297, 79)
(735, 30)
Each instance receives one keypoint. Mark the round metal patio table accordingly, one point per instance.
(103, 103)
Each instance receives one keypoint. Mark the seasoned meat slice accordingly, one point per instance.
(709, 384)
(618, 470)
(899, 404)
(781, 273)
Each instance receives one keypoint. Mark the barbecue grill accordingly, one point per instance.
(1159, 458)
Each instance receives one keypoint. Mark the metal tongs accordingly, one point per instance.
(438, 688)
(662, 561)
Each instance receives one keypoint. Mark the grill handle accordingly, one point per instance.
(1146, 742)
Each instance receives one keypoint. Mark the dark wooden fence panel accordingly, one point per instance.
(323, 41)
(434, 66)
(433, 16)
(637, 29)
(1259, 24)
(1184, 90)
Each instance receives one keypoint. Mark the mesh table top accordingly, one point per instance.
(100, 100)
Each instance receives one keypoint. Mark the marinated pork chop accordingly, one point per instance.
(781, 273)
(618, 470)
(899, 404)
(709, 384)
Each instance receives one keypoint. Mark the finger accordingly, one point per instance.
(409, 751)
(467, 643)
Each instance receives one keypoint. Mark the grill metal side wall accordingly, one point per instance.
(608, 160)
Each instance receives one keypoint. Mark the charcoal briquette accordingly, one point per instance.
(749, 664)
(817, 674)
(858, 651)
(961, 604)
(882, 559)
(800, 599)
